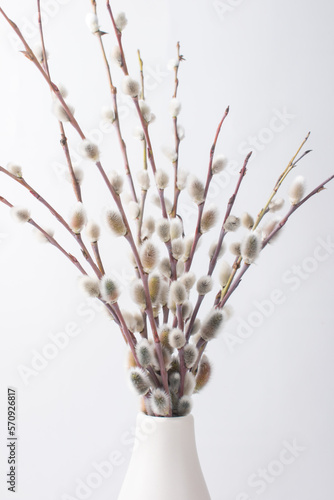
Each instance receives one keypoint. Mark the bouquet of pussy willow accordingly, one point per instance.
(166, 338)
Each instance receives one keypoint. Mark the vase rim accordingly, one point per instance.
(141, 414)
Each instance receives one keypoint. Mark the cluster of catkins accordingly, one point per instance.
(162, 295)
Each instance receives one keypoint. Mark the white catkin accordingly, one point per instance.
(138, 133)
(93, 231)
(179, 268)
(117, 181)
(78, 218)
(143, 180)
(211, 325)
(165, 268)
(60, 113)
(190, 355)
(41, 237)
(14, 169)
(78, 174)
(130, 86)
(149, 255)
(269, 226)
(174, 107)
(182, 177)
(161, 179)
(247, 220)
(163, 229)
(174, 382)
(138, 293)
(184, 406)
(159, 402)
(63, 90)
(181, 132)
(92, 22)
(196, 327)
(144, 352)
(219, 163)
(38, 52)
(108, 114)
(250, 247)
(148, 227)
(177, 292)
(170, 153)
(209, 219)
(175, 229)
(89, 150)
(109, 289)
(177, 338)
(116, 55)
(297, 190)
(196, 190)
(145, 110)
(178, 248)
(232, 223)
(204, 285)
(224, 273)
(133, 210)
(212, 250)
(115, 223)
(188, 280)
(121, 21)
(187, 310)
(91, 286)
(189, 240)
(276, 204)
(163, 293)
(189, 384)
(235, 248)
(139, 381)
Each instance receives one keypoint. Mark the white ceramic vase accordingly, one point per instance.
(164, 463)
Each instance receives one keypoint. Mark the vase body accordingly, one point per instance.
(164, 463)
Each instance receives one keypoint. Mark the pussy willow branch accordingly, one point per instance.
(144, 191)
(117, 124)
(119, 38)
(176, 134)
(281, 178)
(198, 233)
(63, 138)
(279, 226)
(57, 216)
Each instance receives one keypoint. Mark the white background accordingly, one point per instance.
(261, 57)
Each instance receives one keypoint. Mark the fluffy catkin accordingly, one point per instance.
(224, 273)
(164, 331)
(232, 223)
(116, 55)
(175, 229)
(144, 352)
(297, 190)
(178, 248)
(177, 292)
(188, 280)
(149, 255)
(139, 381)
(109, 289)
(20, 214)
(159, 402)
(161, 179)
(247, 220)
(78, 174)
(209, 219)
(92, 22)
(187, 309)
(163, 293)
(148, 227)
(77, 218)
(89, 150)
(130, 86)
(93, 231)
(184, 406)
(219, 163)
(276, 204)
(204, 285)
(174, 107)
(250, 247)
(235, 248)
(91, 286)
(145, 110)
(133, 210)
(138, 293)
(121, 21)
(115, 223)
(212, 250)
(268, 227)
(189, 384)
(177, 338)
(14, 169)
(190, 354)
(203, 374)
(60, 113)
(163, 229)
(143, 179)
(117, 181)
(154, 287)
(196, 190)
(182, 177)
(165, 268)
(211, 325)
(174, 382)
